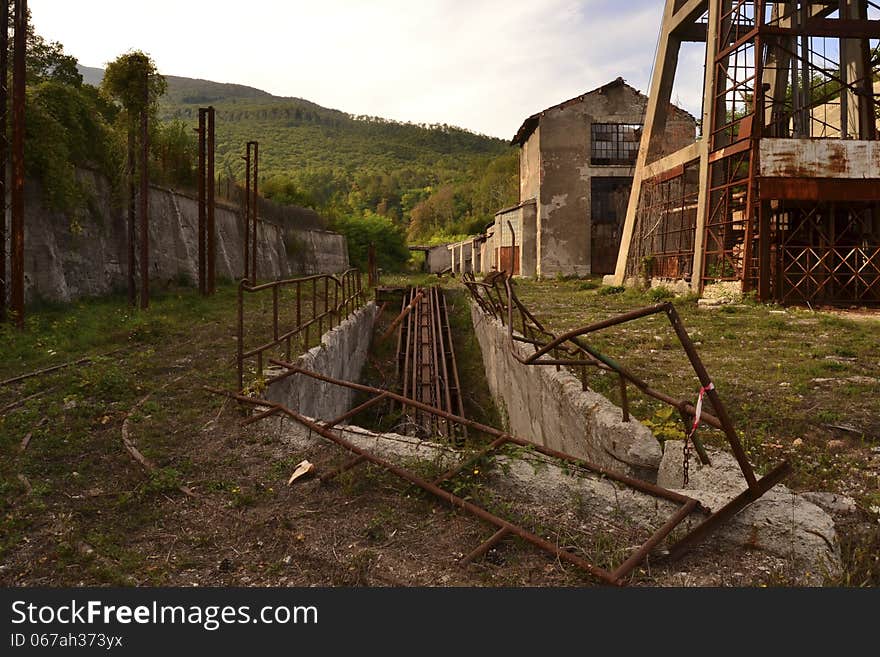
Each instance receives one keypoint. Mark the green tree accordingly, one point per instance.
(370, 228)
(133, 81)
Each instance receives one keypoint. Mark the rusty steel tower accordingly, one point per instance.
(781, 193)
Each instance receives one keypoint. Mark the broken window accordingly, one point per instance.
(615, 143)
(608, 199)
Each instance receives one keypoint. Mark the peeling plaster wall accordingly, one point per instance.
(551, 408)
(530, 166)
(563, 242)
(341, 355)
(68, 258)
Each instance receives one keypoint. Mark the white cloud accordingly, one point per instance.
(481, 64)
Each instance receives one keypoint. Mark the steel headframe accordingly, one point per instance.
(785, 201)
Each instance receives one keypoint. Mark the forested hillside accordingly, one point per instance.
(434, 182)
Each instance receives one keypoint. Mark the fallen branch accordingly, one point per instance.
(19, 402)
(29, 375)
(148, 466)
(27, 437)
(27, 484)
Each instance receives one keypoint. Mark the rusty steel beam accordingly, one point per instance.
(632, 482)
(4, 145)
(446, 496)
(485, 546)
(211, 228)
(145, 197)
(403, 315)
(132, 217)
(730, 509)
(202, 200)
(255, 210)
(247, 210)
(19, 74)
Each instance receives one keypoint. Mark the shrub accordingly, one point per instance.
(371, 228)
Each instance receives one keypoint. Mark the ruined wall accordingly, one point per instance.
(564, 231)
(551, 409)
(564, 237)
(530, 166)
(438, 259)
(71, 257)
(341, 355)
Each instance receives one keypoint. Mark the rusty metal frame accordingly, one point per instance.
(687, 505)
(495, 295)
(426, 364)
(347, 296)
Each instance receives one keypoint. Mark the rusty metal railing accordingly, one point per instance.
(684, 505)
(495, 296)
(317, 300)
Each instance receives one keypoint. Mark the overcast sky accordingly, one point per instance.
(484, 65)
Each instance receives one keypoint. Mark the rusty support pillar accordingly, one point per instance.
(247, 209)
(145, 202)
(202, 201)
(211, 240)
(132, 214)
(255, 210)
(18, 92)
(4, 146)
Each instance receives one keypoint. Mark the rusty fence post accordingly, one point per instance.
(132, 215)
(145, 197)
(211, 229)
(247, 209)
(202, 202)
(4, 146)
(240, 346)
(255, 209)
(18, 92)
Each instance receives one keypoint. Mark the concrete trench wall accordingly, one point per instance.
(551, 408)
(341, 355)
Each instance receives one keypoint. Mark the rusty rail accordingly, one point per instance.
(427, 368)
(319, 299)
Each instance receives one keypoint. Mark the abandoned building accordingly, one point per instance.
(577, 160)
(780, 197)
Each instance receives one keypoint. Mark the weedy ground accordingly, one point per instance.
(798, 383)
(75, 508)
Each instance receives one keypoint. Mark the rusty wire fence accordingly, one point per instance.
(282, 318)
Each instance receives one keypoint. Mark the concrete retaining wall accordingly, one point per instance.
(85, 255)
(341, 355)
(550, 408)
